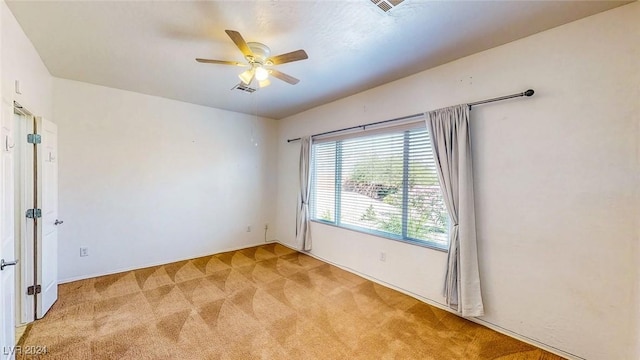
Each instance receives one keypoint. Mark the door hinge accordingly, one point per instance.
(34, 138)
(32, 290)
(34, 213)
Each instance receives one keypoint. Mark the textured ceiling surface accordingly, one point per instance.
(150, 46)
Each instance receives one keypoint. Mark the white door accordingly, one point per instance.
(7, 254)
(47, 250)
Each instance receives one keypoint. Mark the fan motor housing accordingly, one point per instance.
(261, 52)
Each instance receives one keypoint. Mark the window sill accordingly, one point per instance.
(406, 241)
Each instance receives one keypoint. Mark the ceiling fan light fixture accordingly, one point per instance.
(261, 73)
(264, 83)
(247, 76)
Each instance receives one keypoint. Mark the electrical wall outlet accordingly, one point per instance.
(383, 256)
(248, 228)
(266, 226)
(84, 251)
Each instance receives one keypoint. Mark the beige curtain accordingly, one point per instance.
(303, 230)
(451, 143)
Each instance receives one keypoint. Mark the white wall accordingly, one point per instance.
(146, 180)
(556, 183)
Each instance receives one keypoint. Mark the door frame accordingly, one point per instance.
(26, 241)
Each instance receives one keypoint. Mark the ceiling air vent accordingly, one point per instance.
(386, 5)
(243, 87)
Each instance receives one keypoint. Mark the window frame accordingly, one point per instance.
(404, 237)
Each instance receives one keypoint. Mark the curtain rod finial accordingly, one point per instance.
(529, 92)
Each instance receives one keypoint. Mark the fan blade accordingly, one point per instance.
(288, 57)
(284, 77)
(221, 62)
(240, 43)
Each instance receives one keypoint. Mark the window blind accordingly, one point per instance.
(383, 182)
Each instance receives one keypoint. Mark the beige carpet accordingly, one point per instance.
(265, 302)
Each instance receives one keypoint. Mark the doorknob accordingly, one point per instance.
(58, 222)
(4, 264)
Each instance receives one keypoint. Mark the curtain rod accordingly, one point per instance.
(527, 93)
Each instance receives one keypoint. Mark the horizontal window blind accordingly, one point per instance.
(384, 183)
(323, 181)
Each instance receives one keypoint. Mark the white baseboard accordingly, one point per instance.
(442, 306)
(119, 270)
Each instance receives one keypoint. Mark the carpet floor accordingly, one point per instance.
(265, 302)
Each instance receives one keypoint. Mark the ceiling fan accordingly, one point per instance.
(259, 61)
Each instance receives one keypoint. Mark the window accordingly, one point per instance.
(383, 182)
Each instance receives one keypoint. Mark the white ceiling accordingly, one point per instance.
(150, 46)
